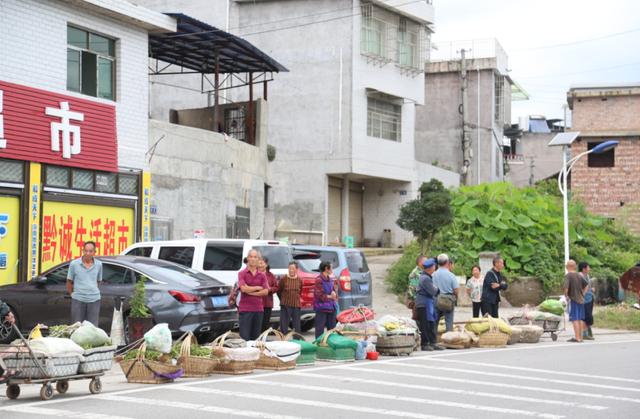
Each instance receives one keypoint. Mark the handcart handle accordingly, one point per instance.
(33, 356)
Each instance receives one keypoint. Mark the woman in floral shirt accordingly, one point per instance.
(474, 289)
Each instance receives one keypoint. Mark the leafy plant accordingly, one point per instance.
(526, 226)
(138, 302)
(427, 214)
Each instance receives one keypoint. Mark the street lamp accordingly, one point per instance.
(562, 184)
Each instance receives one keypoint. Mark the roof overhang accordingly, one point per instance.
(205, 49)
(125, 11)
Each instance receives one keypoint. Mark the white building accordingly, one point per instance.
(87, 180)
(343, 118)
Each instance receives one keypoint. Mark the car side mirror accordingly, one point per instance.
(39, 280)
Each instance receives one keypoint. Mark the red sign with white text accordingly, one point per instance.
(46, 127)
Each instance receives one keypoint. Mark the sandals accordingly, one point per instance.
(574, 340)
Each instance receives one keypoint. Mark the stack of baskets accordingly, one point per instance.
(307, 349)
(335, 348)
(194, 366)
(144, 371)
(233, 361)
(276, 355)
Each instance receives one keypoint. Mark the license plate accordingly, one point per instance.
(220, 301)
(364, 287)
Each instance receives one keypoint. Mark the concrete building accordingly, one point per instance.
(528, 157)
(342, 119)
(73, 129)
(608, 183)
(484, 101)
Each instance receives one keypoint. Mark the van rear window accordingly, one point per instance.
(279, 256)
(140, 251)
(222, 258)
(356, 262)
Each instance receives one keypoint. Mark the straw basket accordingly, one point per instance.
(307, 357)
(396, 344)
(194, 366)
(458, 339)
(493, 338)
(144, 371)
(226, 364)
(267, 362)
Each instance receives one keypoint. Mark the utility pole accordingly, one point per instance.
(466, 137)
(531, 175)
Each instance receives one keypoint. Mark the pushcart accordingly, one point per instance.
(34, 369)
(548, 325)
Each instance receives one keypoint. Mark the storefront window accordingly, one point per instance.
(106, 182)
(82, 179)
(57, 176)
(128, 184)
(11, 171)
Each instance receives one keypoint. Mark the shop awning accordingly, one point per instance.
(197, 46)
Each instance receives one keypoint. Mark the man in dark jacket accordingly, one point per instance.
(6, 317)
(426, 292)
(494, 281)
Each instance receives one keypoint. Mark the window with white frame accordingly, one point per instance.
(384, 117)
(90, 63)
(408, 43)
(373, 33)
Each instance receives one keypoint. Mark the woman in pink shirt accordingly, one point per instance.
(253, 287)
(263, 266)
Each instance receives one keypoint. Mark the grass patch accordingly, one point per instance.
(620, 316)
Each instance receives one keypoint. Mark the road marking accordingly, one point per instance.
(521, 377)
(455, 391)
(490, 384)
(61, 413)
(391, 361)
(195, 406)
(543, 371)
(493, 409)
(314, 403)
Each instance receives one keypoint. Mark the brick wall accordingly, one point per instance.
(33, 50)
(612, 114)
(610, 191)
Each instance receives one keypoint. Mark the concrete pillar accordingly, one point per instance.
(345, 207)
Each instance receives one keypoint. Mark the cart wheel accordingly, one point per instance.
(95, 386)
(46, 392)
(62, 386)
(13, 391)
(554, 337)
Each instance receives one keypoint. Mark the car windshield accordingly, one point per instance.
(186, 276)
(356, 262)
(279, 256)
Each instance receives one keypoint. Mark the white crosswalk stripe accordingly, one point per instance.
(314, 403)
(503, 385)
(519, 377)
(423, 400)
(44, 411)
(461, 392)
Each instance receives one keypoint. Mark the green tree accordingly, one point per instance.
(427, 214)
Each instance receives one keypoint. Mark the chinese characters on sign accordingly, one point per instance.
(65, 129)
(63, 237)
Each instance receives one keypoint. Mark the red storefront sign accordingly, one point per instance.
(41, 126)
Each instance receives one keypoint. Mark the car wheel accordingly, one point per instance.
(308, 325)
(7, 333)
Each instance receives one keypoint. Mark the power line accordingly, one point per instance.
(581, 72)
(582, 41)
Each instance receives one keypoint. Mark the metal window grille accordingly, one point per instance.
(128, 184)
(82, 179)
(239, 227)
(499, 100)
(235, 123)
(11, 171)
(57, 176)
(106, 182)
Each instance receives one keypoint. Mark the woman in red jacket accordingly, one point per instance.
(268, 299)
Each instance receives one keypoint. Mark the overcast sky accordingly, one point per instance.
(522, 27)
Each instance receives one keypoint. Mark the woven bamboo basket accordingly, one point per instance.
(516, 331)
(144, 371)
(396, 344)
(194, 366)
(306, 357)
(327, 353)
(493, 338)
(225, 365)
(271, 363)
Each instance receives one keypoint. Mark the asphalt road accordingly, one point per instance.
(550, 380)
